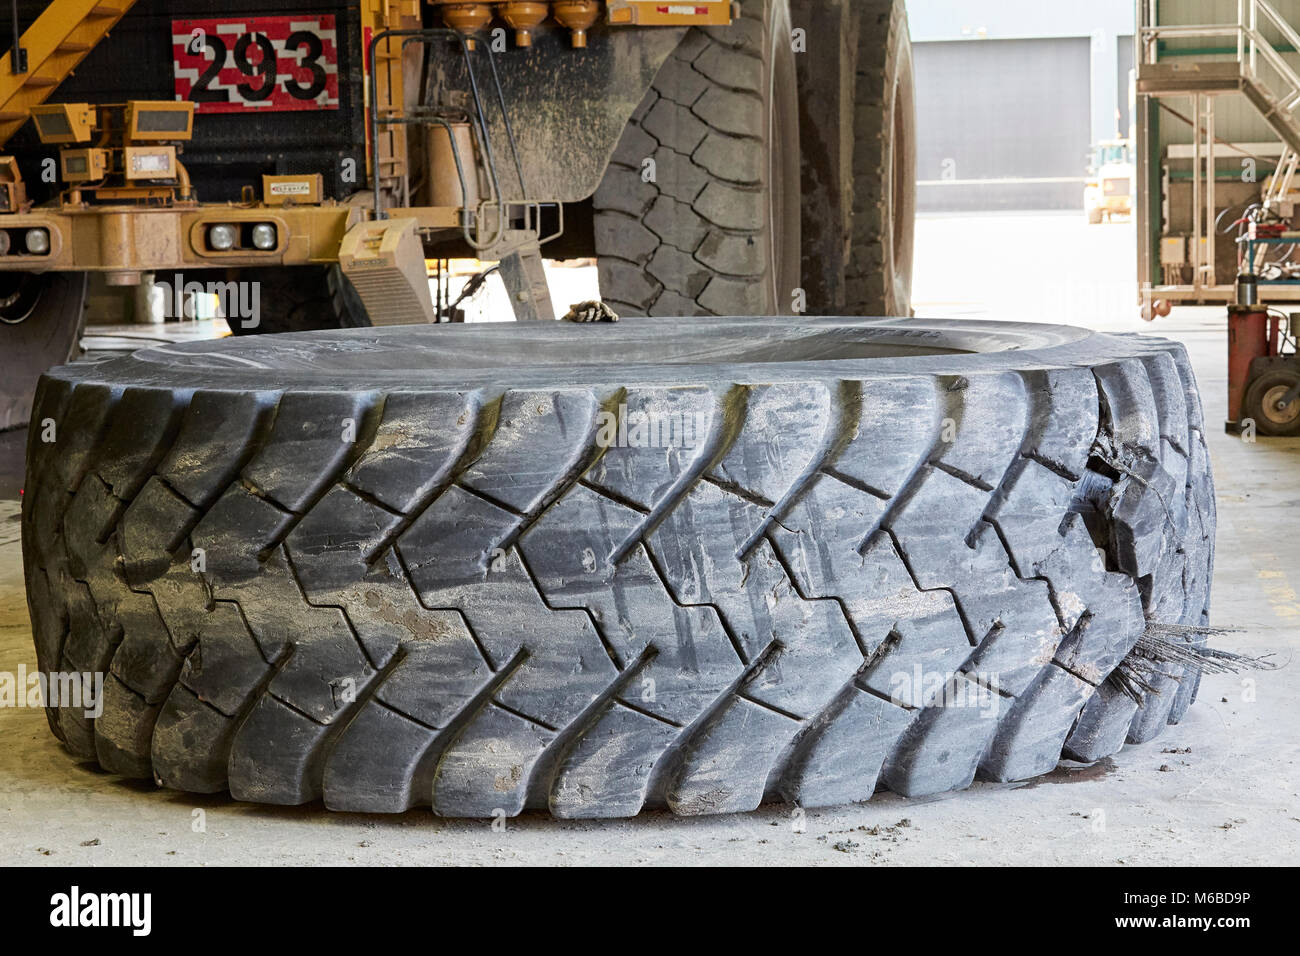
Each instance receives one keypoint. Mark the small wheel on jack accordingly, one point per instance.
(1264, 403)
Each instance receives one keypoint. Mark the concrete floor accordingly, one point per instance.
(1230, 795)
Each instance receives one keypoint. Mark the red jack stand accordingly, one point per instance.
(1252, 334)
(1263, 376)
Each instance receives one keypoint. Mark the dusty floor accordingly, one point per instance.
(1229, 795)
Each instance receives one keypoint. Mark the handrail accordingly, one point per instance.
(1194, 30)
(1288, 32)
(475, 241)
(1281, 65)
(1251, 43)
(1241, 36)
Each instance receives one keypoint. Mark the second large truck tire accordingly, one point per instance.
(41, 319)
(301, 299)
(699, 211)
(598, 569)
(859, 150)
(879, 270)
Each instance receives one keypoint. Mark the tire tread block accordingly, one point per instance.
(943, 747)
(375, 764)
(486, 770)
(1102, 726)
(726, 762)
(608, 770)
(839, 758)
(1030, 737)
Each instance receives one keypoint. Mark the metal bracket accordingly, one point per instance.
(1289, 397)
(525, 280)
(18, 57)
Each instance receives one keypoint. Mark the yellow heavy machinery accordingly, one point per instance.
(1109, 190)
(716, 157)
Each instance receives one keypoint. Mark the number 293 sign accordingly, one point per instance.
(257, 64)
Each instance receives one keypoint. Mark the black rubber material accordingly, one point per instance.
(430, 573)
(1269, 421)
(700, 238)
(878, 277)
(302, 299)
(849, 135)
(49, 335)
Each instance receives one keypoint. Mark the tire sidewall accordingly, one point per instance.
(900, 216)
(50, 335)
(303, 299)
(784, 168)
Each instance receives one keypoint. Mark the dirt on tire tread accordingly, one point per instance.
(474, 604)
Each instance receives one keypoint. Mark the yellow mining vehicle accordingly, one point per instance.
(306, 160)
(1109, 191)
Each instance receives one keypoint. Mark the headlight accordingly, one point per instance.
(264, 235)
(145, 165)
(222, 237)
(38, 241)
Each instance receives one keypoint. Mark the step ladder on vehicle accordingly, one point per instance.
(47, 53)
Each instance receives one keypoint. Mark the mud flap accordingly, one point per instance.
(525, 280)
(384, 261)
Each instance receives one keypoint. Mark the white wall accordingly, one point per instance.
(1102, 20)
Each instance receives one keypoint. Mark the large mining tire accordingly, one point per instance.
(879, 273)
(603, 568)
(859, 177)
(41, 318)
(301, 299)
(699, 211)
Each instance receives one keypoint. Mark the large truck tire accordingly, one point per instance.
(41, 319)
(879, 274)
(602, 568)
(699, 211)
(301, 299)
(859, 178)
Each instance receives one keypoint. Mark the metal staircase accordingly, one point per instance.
(1283, 179)
(1259, 71)
(55, 44)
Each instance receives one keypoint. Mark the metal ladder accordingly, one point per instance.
(486, 229)
(1283, 178)
(53, 45)
(1258, 71)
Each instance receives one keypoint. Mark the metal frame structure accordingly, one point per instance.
(507, 210)
(1258, 71)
